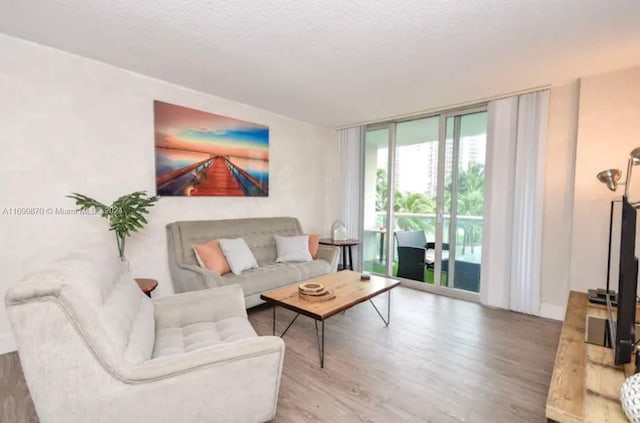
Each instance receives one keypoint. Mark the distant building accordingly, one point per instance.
(416, 165)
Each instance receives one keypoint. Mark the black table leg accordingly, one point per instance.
(288, 326)
(388, 319)
(274, 320)
(344, 258)
(350, 259)
(291, 323)
(320, 339)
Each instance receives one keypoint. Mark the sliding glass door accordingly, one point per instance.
(415, 197)
(424, 199)
(463, 199)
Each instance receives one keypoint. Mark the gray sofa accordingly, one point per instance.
(94, 348)
(258, 234)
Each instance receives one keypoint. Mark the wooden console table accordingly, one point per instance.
(585, 386)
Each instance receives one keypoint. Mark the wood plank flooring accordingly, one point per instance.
(15, 401)
(440, 360)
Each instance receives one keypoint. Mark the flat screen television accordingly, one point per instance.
(622, 331)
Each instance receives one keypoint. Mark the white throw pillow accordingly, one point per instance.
(238, 254)
(292, 248)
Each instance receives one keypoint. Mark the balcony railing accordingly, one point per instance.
(468, 234)
(468, 240)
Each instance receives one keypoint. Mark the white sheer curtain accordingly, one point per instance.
(350, 142)
(512, 235)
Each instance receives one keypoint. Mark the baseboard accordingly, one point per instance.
(453, 293)
(7, 343)
(552, 311)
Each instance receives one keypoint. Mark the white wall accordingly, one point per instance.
(72, 124)
(594, 123)
(609, 128)
(558, 199)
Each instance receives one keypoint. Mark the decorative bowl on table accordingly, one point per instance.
(311, 288)
(313, 291)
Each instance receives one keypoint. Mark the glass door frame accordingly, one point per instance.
(456, 114)
(390, 220)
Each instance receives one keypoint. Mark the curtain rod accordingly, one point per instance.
(447, 108)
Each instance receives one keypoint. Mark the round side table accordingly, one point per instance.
(344, 246)
(147, 285)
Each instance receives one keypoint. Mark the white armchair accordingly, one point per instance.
(94, 348)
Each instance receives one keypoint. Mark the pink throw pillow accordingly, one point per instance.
(210, 257)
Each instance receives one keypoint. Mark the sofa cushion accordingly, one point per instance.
(314, 243)
(210, 256)
(238, 255)
(273, 275)
(105, 297)
(292, 248)
(257, 233)
(127, 317)
(199, 335)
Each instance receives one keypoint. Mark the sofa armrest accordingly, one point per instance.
(199, 306)
(329, 254)
(191, 278)
(217, 355)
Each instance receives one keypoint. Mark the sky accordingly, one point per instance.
(186, 135)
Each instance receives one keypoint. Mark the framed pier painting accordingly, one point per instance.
(204, 154)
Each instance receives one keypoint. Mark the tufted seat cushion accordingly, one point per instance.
(176, 340)
(274, 275)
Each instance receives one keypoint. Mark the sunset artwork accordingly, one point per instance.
(204, 154)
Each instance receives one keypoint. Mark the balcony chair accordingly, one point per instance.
(415, 253)
(94, 348)
(467, 276)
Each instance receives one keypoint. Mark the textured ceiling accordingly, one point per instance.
(337, 62)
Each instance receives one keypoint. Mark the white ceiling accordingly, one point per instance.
(338, 62)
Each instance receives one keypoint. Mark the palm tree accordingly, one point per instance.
(407, 202)
(470, 191)
(470, 202)
(414, 202)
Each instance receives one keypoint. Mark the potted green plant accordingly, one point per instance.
(125, 215)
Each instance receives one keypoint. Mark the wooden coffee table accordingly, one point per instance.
(349, 291)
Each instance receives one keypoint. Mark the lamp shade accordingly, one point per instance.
(635, 154)
(610, 177)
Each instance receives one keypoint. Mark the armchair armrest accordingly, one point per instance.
(199, 306)
(217, 355)
(195, 276)
(329, 254)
